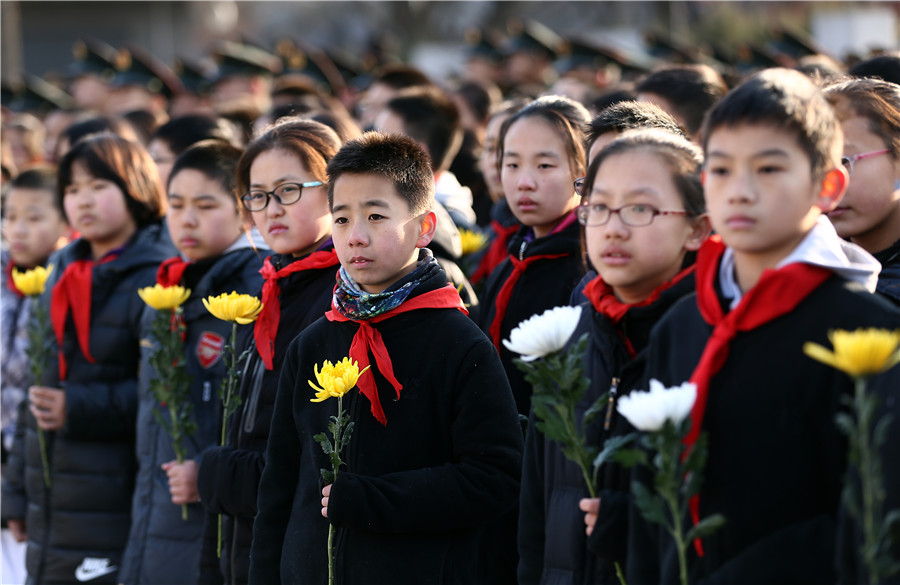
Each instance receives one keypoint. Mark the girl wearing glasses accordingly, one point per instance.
(643, 218)
(281, 177)
(869, 213)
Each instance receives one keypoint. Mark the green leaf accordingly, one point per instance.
(327, 476)
(630, 457)
(650, 506)
(596, 408)
(705, 527)
(611, 446)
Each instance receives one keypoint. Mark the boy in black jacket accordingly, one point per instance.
(777, 277)
(436, 447)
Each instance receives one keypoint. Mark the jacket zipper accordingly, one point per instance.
(613, 390)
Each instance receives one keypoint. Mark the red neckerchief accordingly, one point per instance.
(72, 292)
(171, 271)
(777, 292)
(368, 339)
(605, 302)
(10, 283)
(519, 266)
(496, 252)
(266, 326)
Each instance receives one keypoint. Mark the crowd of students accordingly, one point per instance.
(708, 229)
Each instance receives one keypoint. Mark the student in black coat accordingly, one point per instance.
(299, 279)
(87, 401)
(435, 454)
(644, 268)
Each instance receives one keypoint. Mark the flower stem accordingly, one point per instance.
(226, 407)
(42, 441)
(867, 477)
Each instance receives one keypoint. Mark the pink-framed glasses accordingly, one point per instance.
(848, 161)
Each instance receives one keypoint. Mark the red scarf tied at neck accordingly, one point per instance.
(368, 339)
(171, 271)
(266, 326)
(604, 300)
(72, 292)
(777, 293)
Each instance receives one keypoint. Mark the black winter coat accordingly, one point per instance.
(78, 527)
(229, 476)
(553, 548)
(776, 459)
(545, 284)
(414, 495)
(889, 277)
(162, 546)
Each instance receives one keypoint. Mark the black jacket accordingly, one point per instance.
(414, 495)
(889, 277)
(545, 284)
(78, 527)
(553, 548)
(228, 476)
(163, 547)
(776, 459)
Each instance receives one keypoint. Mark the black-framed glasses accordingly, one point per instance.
(579, 185)
(284, 194)
(848, 161)
(634, 215)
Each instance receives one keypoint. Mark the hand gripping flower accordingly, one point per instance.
(335, 380)
(862, 354)
(558, 382)
(238, 310)
(662, 414)
(171, 386)
(32, 283)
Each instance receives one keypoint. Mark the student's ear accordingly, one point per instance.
(700, 231)
(427, 225)
(833, 187)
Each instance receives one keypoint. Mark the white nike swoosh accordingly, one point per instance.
(83, 574)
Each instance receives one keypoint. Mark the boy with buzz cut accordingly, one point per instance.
(435, 452)
(775, 278)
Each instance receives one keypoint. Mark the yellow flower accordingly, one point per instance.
(335, 380)
(31, 282)
(859, 353)
(234, 308)
(162, 297)
(472, 241)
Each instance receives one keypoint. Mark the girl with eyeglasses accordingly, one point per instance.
(282, 181)
(643, 218)
(869, 213)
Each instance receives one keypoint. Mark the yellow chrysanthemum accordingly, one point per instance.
(31, 282)
(472, 241)
(335, 380)
(234, 308)
(859, 353)
(164, 298)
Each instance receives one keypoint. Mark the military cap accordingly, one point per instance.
(136, 66)
(92, 57)
(581, 52)
(303, 60)
(480, 45)
(531, 36)
(39, 96)
(792, 43)
(243, 59)
(194, 76)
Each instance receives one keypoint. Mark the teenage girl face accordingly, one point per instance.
(487, 163)
(869, 213)
(298, 228)
(636, 260)
(536, 176)
(97, 210)
(203, 219)
(32, 226)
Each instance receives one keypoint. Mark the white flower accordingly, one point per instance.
(542, 334)
(648, 411)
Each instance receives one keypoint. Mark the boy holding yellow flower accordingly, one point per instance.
(436, 446)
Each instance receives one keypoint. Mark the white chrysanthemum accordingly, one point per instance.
(542, 334)
(648, 411)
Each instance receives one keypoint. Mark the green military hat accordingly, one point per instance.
(136, 66)
(195, 77)
(580, 52)
(243, 59)
(668, 49)
(38, 96)
(792, 43)
(301, 59)
(92, 57)
(480, 45)
(530, 36)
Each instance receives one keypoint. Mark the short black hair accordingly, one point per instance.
(631, 115)
(181, 132)
(886, 67)
(39, 178)
(392, 156)
(216, 159)
(785, 99)
(431, 118)
(691, 89)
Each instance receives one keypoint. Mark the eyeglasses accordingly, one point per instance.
(284, 194)
(848, 161)
(635, 215)
(579, 185)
